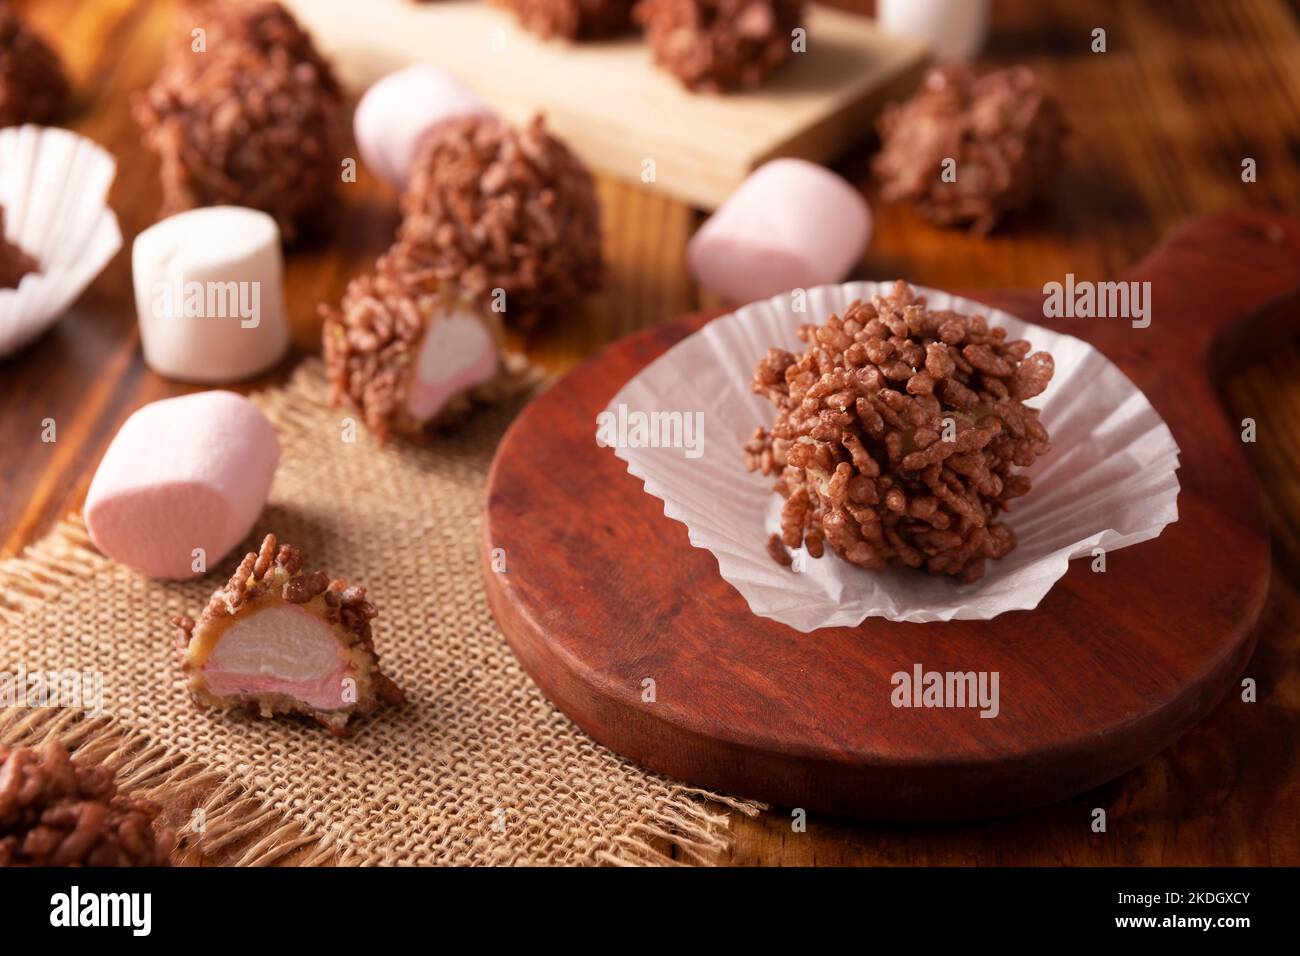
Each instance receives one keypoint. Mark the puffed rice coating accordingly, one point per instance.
(896, 434)
(717, 45)
(255, 120)
(1003, 130)
(56, 811)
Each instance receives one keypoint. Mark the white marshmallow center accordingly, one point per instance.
(286, 643)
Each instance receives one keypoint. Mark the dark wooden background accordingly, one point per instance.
(1161, 123)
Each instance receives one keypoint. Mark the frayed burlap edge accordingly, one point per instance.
(232, 815)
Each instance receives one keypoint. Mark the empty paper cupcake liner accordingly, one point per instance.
(1109, 481)
(54, 191)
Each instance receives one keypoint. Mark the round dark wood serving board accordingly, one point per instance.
(601, 591)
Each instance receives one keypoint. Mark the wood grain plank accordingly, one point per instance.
(613, 105)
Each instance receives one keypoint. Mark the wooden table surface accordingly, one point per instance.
(1161, 123)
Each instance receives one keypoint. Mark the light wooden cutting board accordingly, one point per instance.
(614, 107)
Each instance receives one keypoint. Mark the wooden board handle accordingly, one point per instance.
(1107, 670)
(1222, 288)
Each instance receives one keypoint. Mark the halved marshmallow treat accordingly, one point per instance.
(396, 111)
(209, 294)
(182, 474)
(791, 224)
(277, 640)
(407, 351)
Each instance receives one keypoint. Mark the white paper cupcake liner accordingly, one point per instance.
(1109, 480)
(54, 190)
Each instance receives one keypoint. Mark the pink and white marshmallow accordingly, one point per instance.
(791, 224)
(395, 112)
(182, 483)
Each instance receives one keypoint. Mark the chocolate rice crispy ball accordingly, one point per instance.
(256, 120)
(33, 88)
(571, 19)
(372, 342)
(1002, 128)
(716, 45)
(492, 206)
(56, 811)
(388, 311)
(896, 434)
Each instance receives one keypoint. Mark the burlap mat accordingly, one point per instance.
(478, 767)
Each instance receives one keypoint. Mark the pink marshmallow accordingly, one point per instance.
(182, 473)
(395, 113)
(791, 224)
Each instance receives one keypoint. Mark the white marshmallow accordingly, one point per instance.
(182, 473)
(209, 294)
(396, 111)
(955, 29)
(791, 224)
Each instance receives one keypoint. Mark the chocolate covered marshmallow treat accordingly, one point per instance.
(278, 640)
(256, 119)
(897, 434)
(507, 213)
(409, 351)
(33, 88)
(717, 45)
(1002, 130)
